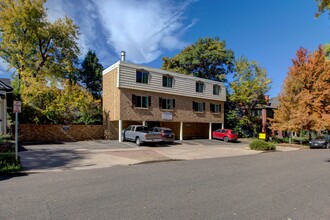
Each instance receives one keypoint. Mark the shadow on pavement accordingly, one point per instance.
(7, 176)
(38, 159)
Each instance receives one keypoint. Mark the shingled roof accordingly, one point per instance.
(5, 85)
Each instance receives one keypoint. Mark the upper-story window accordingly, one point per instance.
(141, 101)
(166, 104)
(198, 106)
(199, 86)
(167, 81)
(215, 108)
(142, 76)
(216, 89)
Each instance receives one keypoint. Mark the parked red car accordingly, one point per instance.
(225, 134)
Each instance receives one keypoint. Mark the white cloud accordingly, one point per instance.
(144, 29)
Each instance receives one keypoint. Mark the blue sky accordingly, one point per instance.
(267, 31)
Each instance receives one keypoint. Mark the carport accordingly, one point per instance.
(182, 130)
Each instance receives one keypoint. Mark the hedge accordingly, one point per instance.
(262, 145)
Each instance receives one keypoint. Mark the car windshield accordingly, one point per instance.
(167, 131)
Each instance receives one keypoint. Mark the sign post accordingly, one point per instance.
(16, 109)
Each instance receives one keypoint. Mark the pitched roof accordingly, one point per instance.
(5, 85)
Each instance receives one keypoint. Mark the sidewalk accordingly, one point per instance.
(99, 154)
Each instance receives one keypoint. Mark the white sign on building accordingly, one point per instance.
(167, 116)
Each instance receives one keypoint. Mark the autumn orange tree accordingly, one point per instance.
(305, 97)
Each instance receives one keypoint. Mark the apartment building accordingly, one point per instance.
(133, 94)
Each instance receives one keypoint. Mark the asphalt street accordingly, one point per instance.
(284, 185)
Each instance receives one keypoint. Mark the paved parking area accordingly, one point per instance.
(106, 153)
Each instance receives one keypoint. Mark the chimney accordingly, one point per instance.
(267, 98)
(123, 56)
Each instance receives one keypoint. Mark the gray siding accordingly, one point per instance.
(182, 85)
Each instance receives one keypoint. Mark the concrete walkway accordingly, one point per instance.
(105, 153)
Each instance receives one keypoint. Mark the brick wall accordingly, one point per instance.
(183, 110)
(59, 133)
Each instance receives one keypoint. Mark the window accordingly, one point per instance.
(198, 106)
(215, 108)
(216, 89)
(167, 81)
(167, 104)
(256, 112)
(199, 87)
(142, 76)
(141, 101)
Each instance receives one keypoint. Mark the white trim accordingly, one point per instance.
(181, 130)
(118, 78)
(120, 125)
(113, 66)
(210, 131)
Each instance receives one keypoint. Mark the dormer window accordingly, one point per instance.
(142, 76)
(167, 81)
(199, 87)
(216, 89)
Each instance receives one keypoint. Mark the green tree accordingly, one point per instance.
(327, 51)
(323, 5)
(45, 56)
(207, 58)
(34, 46)
(60, 103)
(249, 86)
(90, 74)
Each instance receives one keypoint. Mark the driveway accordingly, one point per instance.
(106, 153)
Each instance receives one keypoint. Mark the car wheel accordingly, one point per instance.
(138, 141)
(225, 139)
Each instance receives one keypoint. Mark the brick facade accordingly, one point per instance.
(118, 104)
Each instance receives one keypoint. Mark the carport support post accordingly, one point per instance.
(210, 131)
(144, 123)
(181, 130)
(120, 125)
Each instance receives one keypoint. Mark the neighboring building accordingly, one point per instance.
(134, 94)
(266, 112)
(4, 89)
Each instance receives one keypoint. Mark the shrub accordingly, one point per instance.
(262, 145)
(8, 163)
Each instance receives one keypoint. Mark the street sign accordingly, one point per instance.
(17, 107)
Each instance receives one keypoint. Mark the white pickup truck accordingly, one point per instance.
(140, 134)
